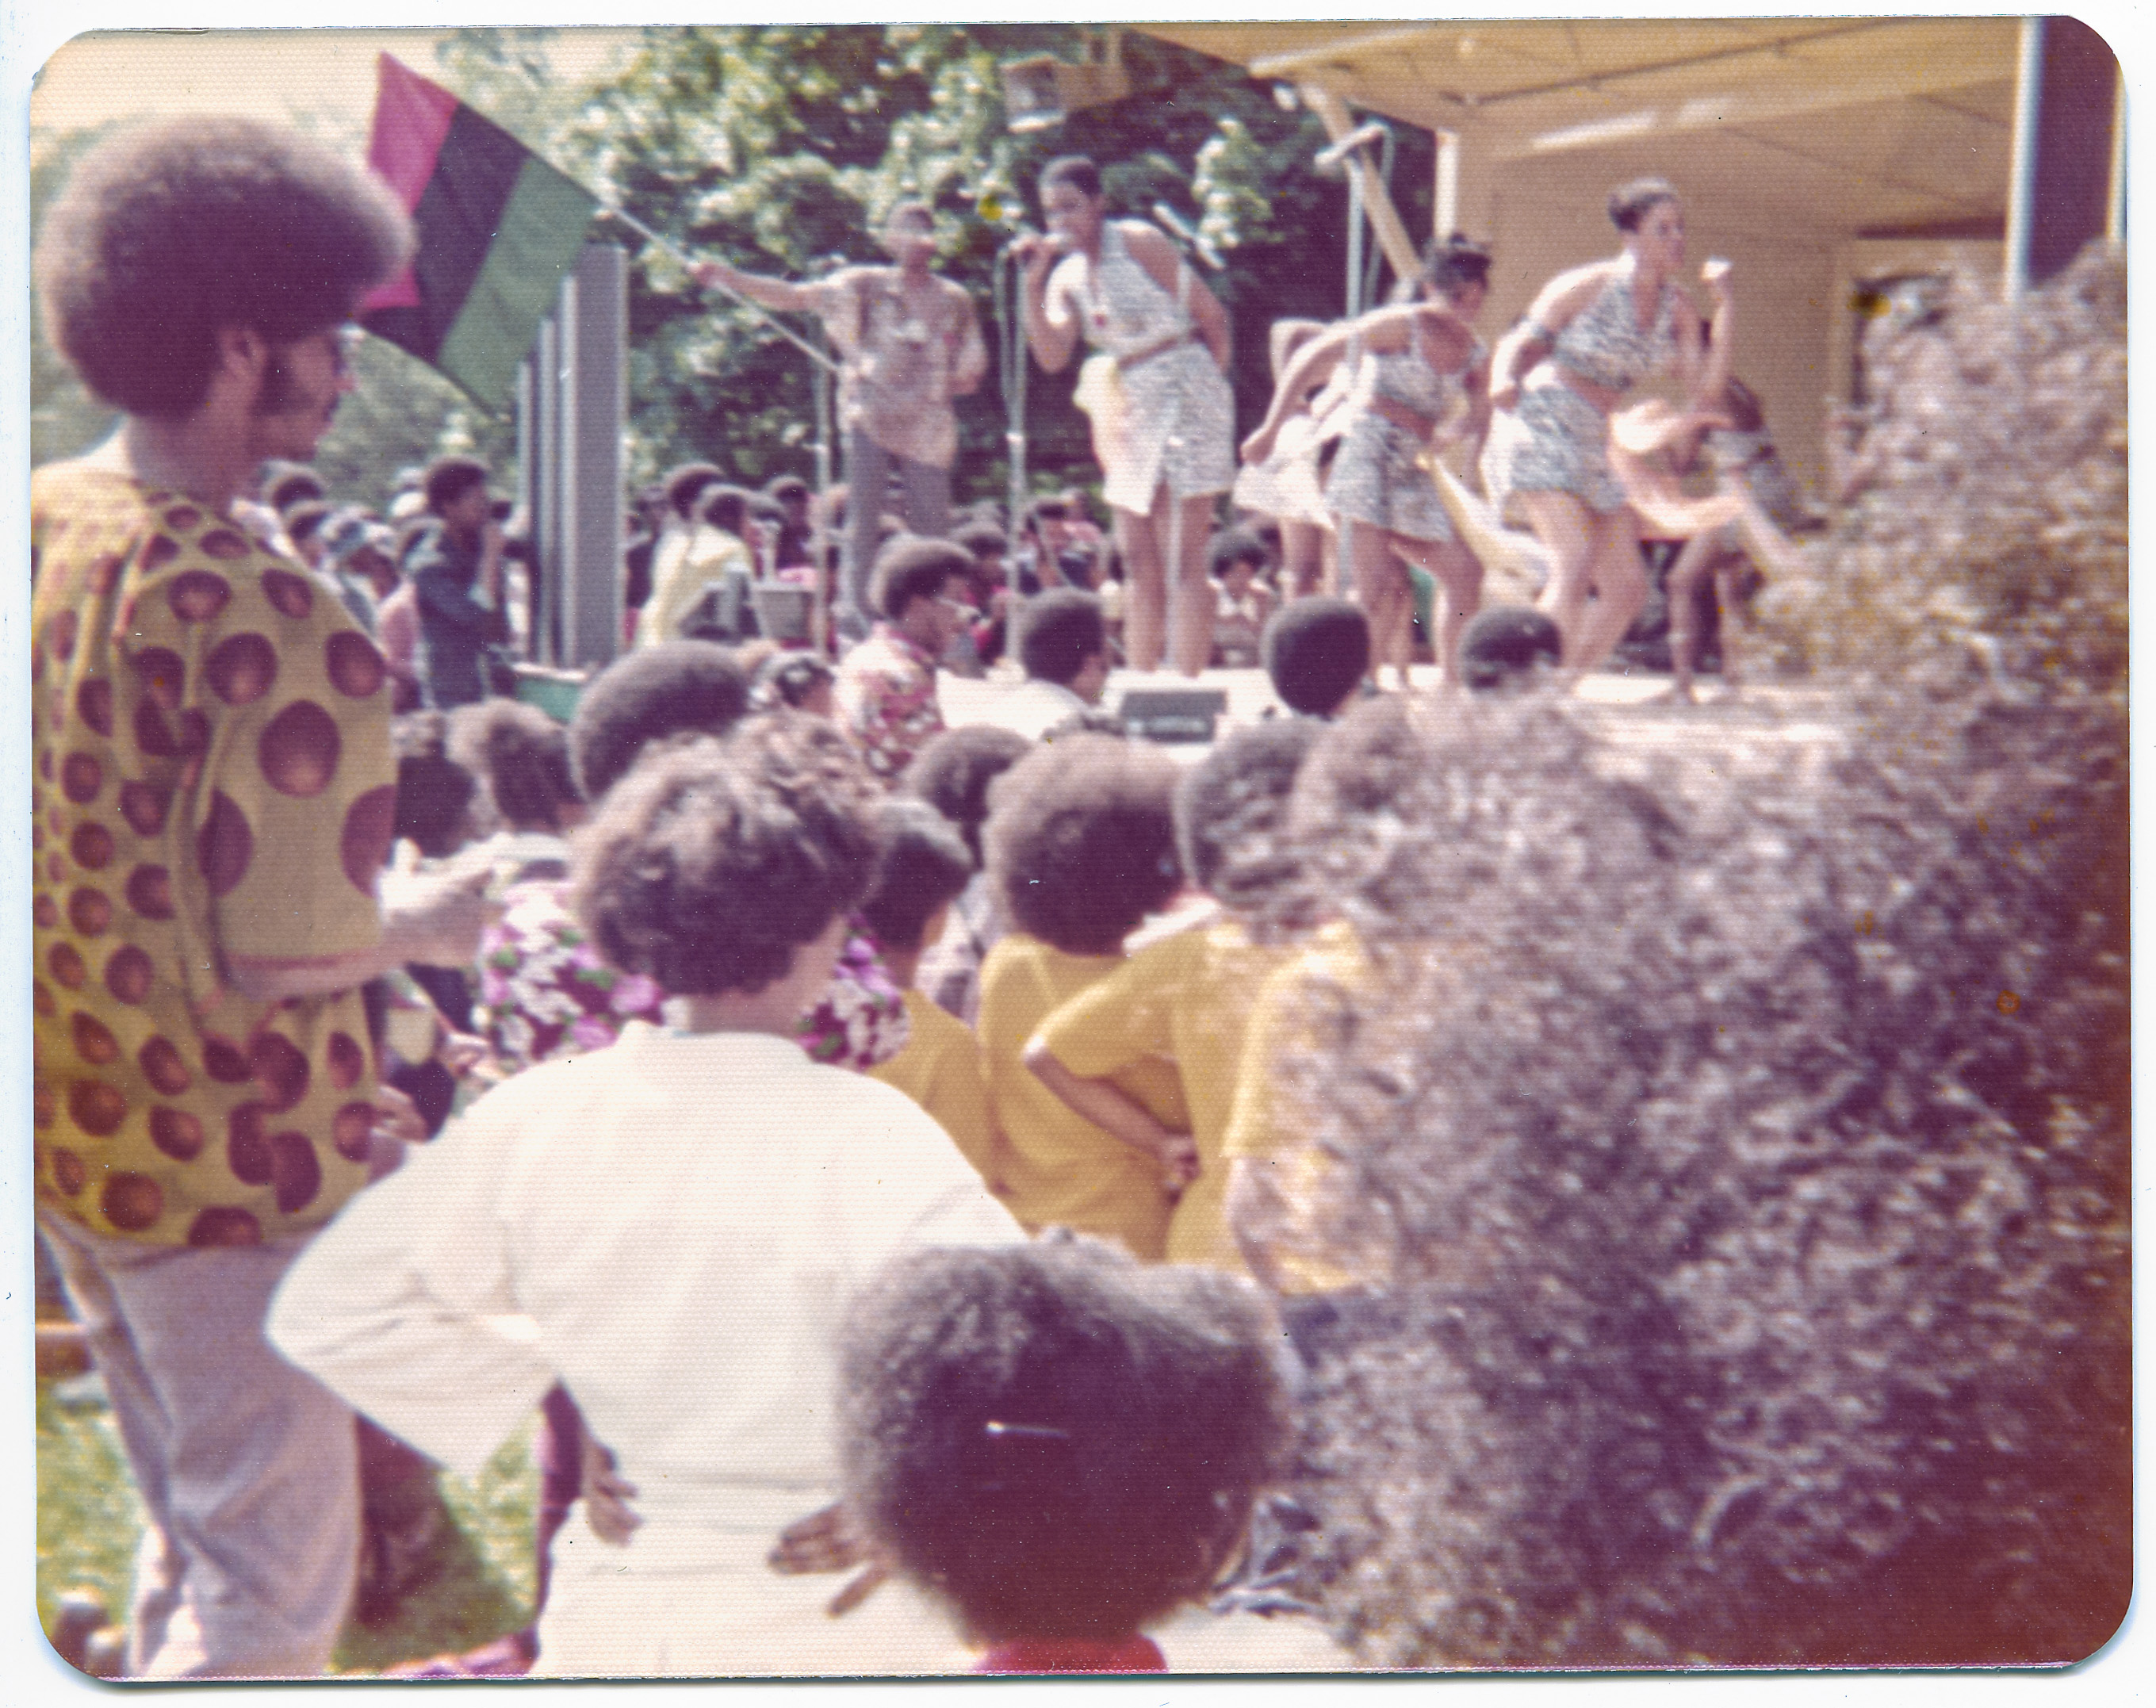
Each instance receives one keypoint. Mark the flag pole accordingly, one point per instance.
(784, 332)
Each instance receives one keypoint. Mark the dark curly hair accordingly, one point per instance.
(1315, 651)
(448, 479)
(685, 484)
(1057, 630)
(678, 687)
(924, 864)
(911, 568)
(1062, 1441)
(1080, 840)
(953, 771)
(1747, 1167)
(710, 864)
(1231, 814)
(520, 755)
(170, 234)
(1458, 261)
(433, 791)
(1233, 545)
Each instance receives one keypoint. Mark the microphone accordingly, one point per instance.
(1334, 158)
(1189, 233)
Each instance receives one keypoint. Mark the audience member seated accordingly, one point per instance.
(1184, 998)
(1062, 642)
(1239, 565)
(1317, 653)
(1080, 842)
(1061, 1444)
(1507, 648)
(886, 692)
(924, 866)
(952, 773)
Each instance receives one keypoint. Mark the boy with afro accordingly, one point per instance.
(926, 865)
(1081, 846)
(1185, 998)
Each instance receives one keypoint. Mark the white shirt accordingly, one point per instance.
(673, 1227)
(1033, 707)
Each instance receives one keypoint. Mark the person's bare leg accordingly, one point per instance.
(1303, 554)
(1186, 528)
(1566, 529)
(1459, 575)
(1693, 562)
(1145, 603)
(1620, 583)
(1381, 589)
(1728, 569)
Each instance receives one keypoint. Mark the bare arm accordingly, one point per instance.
(771, 293)
(971, 361)
(441, 928)
(1117, 1113)
(1704, 356)
(1051, 344)
(1532, 339)
(1312, 366)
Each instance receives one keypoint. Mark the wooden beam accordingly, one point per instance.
(1384, 218)
(1352, 44)
(1891, 61)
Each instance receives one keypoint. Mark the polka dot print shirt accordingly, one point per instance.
(210, 740)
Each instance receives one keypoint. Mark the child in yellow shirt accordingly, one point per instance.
(1187, 998)
(923, 867)
(1080, 842)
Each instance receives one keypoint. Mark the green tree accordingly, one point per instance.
(780, 149)
(65, 420)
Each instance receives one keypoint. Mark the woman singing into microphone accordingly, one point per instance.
(1163, 418)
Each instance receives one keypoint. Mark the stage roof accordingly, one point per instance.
(1877, 124)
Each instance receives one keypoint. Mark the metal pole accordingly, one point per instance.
(819, 607)
(1444, 207)
(1010, 316)
(1354, 243)
(2021, 174)
(588, 606)
(799, 343)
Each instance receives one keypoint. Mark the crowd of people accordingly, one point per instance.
(408, 1058)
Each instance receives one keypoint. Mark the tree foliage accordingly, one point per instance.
(1747, 1174)
(781, 149)
(1987, 508)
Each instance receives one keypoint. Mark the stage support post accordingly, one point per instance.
(594, 378)
(571, 403)
(2063, 188)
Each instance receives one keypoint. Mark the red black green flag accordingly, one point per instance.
(498, 227)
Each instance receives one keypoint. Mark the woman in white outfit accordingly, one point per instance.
(671, 1228)
(1163, 417)
(1556, 377)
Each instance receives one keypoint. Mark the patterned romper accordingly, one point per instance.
(1558, 442)
(1378, 477)
(1179, 420)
